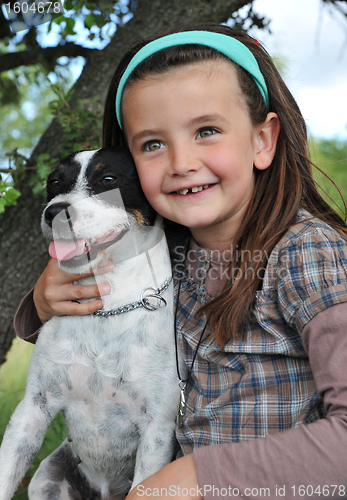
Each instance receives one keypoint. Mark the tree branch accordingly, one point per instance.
(46, 56)
(337, 5)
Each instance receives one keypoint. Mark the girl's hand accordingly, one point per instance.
(54, 293)
(178, 479)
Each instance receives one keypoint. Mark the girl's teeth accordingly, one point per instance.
(194, 189)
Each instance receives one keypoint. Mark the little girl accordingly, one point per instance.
(260, 263)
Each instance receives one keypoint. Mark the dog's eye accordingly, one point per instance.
(108, 179)
(54, 183)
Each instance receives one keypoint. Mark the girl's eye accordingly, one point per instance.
(152, 145)
(206, 132)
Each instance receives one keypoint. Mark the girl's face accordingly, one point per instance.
(195, 148)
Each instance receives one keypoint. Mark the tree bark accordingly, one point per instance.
(23, 252)
(12, 60)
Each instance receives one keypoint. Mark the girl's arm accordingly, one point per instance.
(53, 295)
(308, 461)
(179, 479)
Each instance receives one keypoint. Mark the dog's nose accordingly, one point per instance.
(58, 208)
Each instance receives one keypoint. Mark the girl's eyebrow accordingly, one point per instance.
(143, 134)
(206, 118)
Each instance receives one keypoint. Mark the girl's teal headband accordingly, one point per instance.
(230, 47)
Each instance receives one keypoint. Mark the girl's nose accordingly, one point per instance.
(183, 161)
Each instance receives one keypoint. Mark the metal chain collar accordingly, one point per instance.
(143, 302)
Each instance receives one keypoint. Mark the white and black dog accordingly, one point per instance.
(114, 375)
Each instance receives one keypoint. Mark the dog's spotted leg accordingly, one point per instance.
(59, 478)
(22, 440)
(155, 449)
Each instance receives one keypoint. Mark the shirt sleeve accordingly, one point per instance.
(307, 461)
(26, 320)
(311, 275)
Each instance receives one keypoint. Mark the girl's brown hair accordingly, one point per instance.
(279, 190)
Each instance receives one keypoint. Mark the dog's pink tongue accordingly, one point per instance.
(65, 250)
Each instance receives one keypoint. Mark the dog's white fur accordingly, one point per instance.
(114, 378)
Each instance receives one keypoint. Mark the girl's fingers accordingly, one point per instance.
(63, 277)
(56, 295)
(68, 308)
(71, 292)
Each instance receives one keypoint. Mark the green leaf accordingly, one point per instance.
(38, 188)
(43, 170)
(56, 18)
(71, 5)
(89, 21)
(2, 205)
(18, 175)
(68, 5)
(11, 196)
(43, 157)
(70, 24)
(100, 21)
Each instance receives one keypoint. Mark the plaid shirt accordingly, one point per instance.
(261, 384)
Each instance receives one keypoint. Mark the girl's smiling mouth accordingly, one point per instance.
(192, 190)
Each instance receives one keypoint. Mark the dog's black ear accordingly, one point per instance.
(120, 157)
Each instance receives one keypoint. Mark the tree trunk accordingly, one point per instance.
(23, 252)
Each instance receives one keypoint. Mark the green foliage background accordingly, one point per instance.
(331, 156)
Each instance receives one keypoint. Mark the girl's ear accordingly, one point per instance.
(266, 141)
